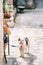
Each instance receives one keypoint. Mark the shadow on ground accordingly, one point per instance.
(30, 59)
(11, 61)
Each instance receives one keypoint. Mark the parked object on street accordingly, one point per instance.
(20, 5)
(20, 8)
(30, 4)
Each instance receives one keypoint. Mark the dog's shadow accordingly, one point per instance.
(30, 59)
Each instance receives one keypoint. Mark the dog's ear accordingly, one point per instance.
(19, 39)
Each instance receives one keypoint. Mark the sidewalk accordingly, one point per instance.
(36, 46)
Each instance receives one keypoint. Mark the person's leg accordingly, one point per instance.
(5, 54)
(4, 57)
(5, 46)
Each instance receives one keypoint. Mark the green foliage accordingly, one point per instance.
(3, 8)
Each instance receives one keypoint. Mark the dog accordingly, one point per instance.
(27, 44)
(21, 47)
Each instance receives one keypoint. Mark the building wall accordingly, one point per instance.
(1, 31)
